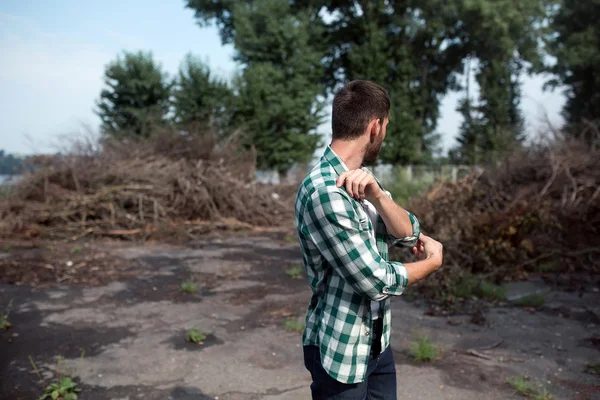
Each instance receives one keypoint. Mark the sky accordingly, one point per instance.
(53, 54)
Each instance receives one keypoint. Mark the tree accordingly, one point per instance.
(200, 98)
(136, 100)
(278, 105)
(416, 50)
(574, 42)
(9, 164)
(502, 36)
(494, 124)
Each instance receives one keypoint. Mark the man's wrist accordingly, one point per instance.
(434, 260)
(378, 198)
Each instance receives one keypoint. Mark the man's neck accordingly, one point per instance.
(351, 152)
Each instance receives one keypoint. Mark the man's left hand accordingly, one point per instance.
(360, 185)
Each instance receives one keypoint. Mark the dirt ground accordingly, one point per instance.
(115, 316)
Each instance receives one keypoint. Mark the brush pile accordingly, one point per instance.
(539, 211)
(172, 185)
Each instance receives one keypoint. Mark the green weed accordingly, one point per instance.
(76, 249)
(295, 272)
(534, 300)
(290, 239)
(465, 288)
(188, 287)
(593, 368)
(424, 350)
(471, 286)
(293, 325)
(526, 388)
(64, 389)
(4, 323)
(521, 385)
(196, 336)
(6, 248)
(490, 291)
(543, 395)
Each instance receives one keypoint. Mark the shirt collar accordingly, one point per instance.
(335, 161)
(339, 166)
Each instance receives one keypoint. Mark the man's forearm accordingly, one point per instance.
(395, 217)
(420, 269)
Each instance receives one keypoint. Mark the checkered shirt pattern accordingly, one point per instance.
(347, 269)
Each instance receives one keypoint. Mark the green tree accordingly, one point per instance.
(136, 98)
(502, 36)
(574, 41)
(416, 50)
(278, 104)
(9, 164)
(201, 99)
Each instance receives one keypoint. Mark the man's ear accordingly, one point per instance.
(374, 129)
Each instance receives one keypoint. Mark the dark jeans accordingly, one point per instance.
(379, 384)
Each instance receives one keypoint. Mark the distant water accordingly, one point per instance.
(8, 179)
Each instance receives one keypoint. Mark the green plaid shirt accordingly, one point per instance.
(346, 269)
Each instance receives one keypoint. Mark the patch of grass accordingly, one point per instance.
(465, 288)
(593, 368)
(402, 188)
(543, 395)
(525, 387)
(471, 286)
(64, 389)
(188, 287)
(5, 192)
(424, 350)
(4, 323)
(490, 291)
(76, 249)
(521, 385)
(293, 325)
(290, 239)
(534, 300)
(195, 336)
(6, 248)
(550, 266)
(295, 272)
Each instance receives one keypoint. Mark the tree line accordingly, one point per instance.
(10, 164)
(293, 54)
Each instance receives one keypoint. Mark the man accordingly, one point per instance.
(345, 222)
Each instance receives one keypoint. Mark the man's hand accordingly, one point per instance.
(428, 248)
(360, 185)
(419, 251)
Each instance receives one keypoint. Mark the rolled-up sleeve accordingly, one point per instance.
(408, 241)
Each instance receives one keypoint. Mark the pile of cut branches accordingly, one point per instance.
(538, 211)
(174, 184)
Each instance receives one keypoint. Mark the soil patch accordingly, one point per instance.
(60, 263)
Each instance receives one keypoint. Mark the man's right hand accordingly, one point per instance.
(429, 248)
(430, 255)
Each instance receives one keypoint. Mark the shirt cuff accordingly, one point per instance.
(409, 241)
(398, 281)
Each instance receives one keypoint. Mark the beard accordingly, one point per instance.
(372, 151)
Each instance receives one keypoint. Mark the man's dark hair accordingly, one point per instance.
(355, 105)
